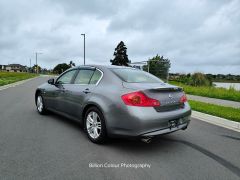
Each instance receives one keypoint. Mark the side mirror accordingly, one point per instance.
(51, 81)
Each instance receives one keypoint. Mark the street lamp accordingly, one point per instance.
(83, 46)
(37, 61)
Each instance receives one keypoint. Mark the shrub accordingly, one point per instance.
(199, 79)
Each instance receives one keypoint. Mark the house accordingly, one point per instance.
(16, 68)
(2, 67)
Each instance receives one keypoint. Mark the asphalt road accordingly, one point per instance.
(51, 147)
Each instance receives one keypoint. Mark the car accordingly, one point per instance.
(113, 101)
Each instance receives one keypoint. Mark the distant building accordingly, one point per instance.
(2, 67)
(16, 68)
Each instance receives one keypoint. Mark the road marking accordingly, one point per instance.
(235, 126)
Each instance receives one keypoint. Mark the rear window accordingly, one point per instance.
(135, 76)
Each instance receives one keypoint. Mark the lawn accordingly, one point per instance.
(213, 92)
(216, 110)
(11, 77)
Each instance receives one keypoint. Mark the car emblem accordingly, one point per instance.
(170, 96)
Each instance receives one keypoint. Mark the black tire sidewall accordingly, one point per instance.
(103, 135)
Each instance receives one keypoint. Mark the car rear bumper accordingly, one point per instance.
(146, 121)
(167, 130)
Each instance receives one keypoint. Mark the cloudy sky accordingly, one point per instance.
(196, 35)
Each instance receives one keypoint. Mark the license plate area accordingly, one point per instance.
(173, 123)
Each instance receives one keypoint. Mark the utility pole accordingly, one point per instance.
(83, 47)
(148, 65)
(30, 68)
(37, 61)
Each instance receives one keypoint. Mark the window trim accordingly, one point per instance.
(95, 68)
(98, 79)
(76, 73)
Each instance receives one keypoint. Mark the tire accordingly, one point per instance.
(40, 104)
(94, 125)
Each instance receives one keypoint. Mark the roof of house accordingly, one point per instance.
(15, 65)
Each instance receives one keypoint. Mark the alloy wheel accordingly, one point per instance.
(39, 104)
(93, 125)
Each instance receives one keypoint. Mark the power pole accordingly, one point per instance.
(36, 64)
(83, 47)
(37, 61)
(148, 65)
(30, 65)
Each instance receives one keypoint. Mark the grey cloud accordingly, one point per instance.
(100, 9)
(194, 35)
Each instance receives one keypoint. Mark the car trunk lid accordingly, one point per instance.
(168, 95)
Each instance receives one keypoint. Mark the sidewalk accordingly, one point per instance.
(220, 102)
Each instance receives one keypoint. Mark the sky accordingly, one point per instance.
(197, 35)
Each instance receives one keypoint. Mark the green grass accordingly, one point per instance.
(11, 77)
(213, 92)
(216, 110)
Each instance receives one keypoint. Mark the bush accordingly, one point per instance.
(199, 79)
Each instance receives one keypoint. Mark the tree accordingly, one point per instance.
(61, 68)
(120, 55)
(158, 66)
(71, 64)
(34, 68)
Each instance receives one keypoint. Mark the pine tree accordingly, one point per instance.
(120, 55)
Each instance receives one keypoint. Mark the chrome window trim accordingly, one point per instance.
(100, 77)
(89, 84)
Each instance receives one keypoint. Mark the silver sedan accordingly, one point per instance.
(114, 101)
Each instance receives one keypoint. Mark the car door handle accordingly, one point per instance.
(86, 91)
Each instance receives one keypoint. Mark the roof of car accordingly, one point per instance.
(105, 66)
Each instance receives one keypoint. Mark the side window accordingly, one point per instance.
(66, 78)
(96, 76)
(83, 76)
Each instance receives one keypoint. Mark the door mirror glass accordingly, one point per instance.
(51, 81)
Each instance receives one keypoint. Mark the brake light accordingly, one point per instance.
(139, 99)
(183, 99)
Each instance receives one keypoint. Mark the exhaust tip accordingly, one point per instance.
(147, 139)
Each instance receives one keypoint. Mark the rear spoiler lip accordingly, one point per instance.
(167, 88)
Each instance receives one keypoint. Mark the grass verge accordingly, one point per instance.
(11, 77)
(216, 110)
(213, 92)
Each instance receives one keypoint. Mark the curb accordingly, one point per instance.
(217, 120)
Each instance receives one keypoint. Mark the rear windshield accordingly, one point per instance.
(135, 76)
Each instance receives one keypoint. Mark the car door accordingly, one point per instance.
(62, 84)
(77, 92)
(81, 90)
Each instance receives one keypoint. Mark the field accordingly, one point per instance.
(213, 92)
(11, 77)
(216, 110)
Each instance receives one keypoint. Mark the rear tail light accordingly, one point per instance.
(139, 99)
(183, 99)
